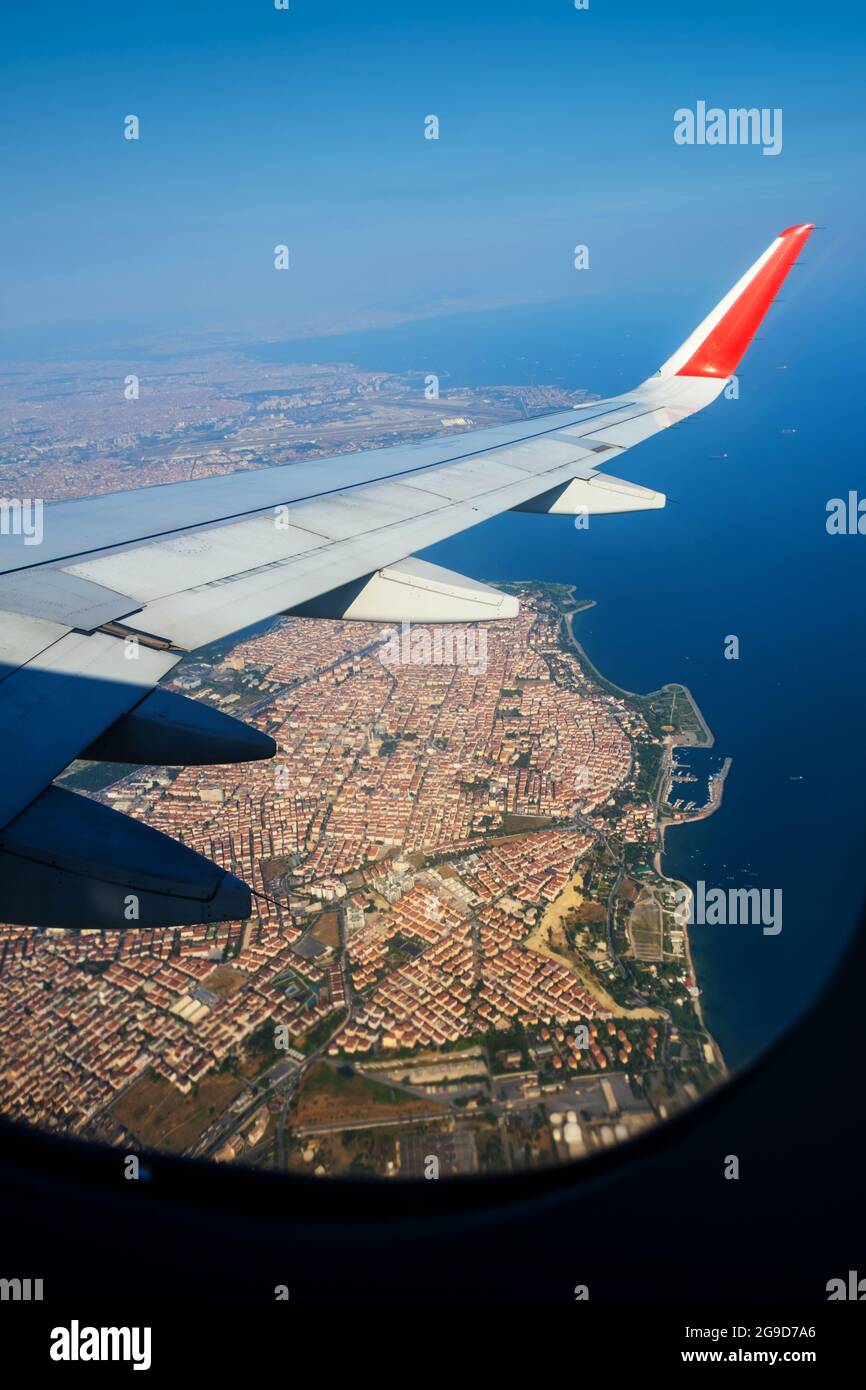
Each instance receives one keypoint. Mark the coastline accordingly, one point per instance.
(612, 688)
(717, 791)
(717, 785)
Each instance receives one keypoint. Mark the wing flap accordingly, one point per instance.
(22, 637)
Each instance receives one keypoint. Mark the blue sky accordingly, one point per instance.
(306, 127)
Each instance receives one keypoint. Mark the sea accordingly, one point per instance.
(741, 551)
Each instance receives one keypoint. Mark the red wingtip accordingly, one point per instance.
(720, 353)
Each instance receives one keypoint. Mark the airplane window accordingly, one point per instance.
(433, 731)
(521, 889)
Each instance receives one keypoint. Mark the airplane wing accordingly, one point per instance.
(120, 587)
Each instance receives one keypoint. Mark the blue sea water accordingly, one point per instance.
(700, 763)
(741, 549)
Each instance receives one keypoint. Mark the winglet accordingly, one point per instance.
(719, 342)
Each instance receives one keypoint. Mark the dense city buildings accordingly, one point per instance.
(463, 947)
